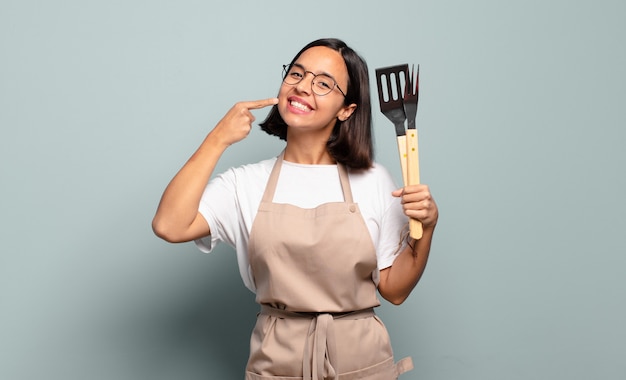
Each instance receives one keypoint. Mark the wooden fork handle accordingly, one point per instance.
(413, 176)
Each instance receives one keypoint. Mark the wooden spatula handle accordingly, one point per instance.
(402, 145)
(413, 176)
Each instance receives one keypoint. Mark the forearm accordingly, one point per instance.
(397, 281)
(178, 208)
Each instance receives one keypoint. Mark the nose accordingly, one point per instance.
(306, 85)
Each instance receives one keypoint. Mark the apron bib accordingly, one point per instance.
(312, 270)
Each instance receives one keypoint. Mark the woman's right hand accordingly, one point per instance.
(237, 122)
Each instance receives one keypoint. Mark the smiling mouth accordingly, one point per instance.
(299, 106)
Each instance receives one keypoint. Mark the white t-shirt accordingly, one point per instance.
(231, 200)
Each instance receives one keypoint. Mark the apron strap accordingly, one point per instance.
(404, 365)
(270, 189)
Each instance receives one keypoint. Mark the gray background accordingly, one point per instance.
(522, 126)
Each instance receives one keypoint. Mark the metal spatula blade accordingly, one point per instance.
(389, 80)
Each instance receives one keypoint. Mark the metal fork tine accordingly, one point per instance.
(411, 96)
(408, 90)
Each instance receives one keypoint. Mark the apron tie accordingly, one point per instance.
(320, 358)
(320, 364)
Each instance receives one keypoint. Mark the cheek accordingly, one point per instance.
(282, 105)
(282, 91)
(282, 101)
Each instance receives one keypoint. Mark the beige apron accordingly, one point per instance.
(313, 274)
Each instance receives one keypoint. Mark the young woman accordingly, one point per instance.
(319, 230)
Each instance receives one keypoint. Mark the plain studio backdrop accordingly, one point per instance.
(522, 132)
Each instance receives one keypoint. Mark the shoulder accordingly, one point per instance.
(253, 172)
(375, 177)
(260, 167)
(372, 189)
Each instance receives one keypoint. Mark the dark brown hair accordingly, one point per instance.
(350, 142)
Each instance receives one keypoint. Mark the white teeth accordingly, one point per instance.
(299, 106)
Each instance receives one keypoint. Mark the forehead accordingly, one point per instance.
(322, 59)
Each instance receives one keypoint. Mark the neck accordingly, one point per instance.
(308, 154)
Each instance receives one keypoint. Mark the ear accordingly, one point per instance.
(345, 112)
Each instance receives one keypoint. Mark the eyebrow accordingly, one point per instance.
(323, 72)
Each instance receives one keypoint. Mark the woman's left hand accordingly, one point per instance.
(418, 203)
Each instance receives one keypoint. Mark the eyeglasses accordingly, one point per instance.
(321, 84)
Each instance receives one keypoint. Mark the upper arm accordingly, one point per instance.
(199, 228)
(382, 283)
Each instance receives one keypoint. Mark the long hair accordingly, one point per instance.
(350, 142)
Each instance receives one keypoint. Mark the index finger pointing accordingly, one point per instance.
(256, 104)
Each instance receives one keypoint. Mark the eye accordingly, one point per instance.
(324, 82)
(296, 72)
